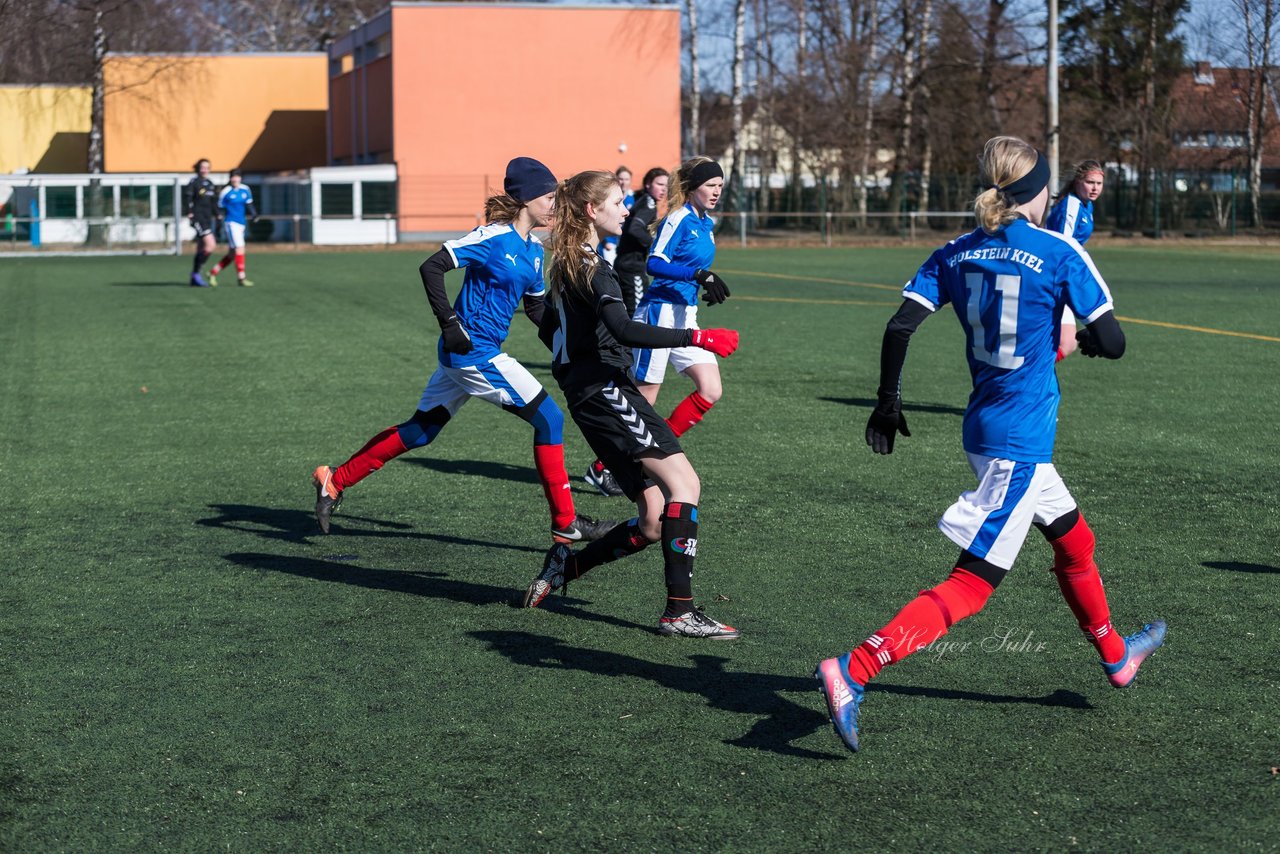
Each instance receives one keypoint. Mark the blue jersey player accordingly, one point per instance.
(235, 203)
(503, 262)
(1007, 283)
(1073, 215)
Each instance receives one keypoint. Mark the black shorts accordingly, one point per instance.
(202, 226)
(621, 426)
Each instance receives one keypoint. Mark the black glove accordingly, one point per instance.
(1088, 343)
(886, 420)
(456, 339)
(715, 288)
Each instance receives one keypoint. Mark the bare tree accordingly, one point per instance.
(695, 82)
(735, 98)
(279, 25)
(870, 41)
(1258, 19)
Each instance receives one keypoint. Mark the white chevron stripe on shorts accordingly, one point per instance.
(629, 416)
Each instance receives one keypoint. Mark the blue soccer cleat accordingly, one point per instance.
(197, 281)
(1137, 647)
(843, 696)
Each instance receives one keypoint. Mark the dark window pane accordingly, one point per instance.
(60, 202)
(135, 201)
(378, 198)
(337, 200)
(164, 202)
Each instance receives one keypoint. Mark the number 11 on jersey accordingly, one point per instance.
(1000, 314)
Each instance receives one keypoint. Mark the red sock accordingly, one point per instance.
(226, 260)
(549, 460)
(1081, 586)
(240, 264)
(364, 462)
(924, 619)
(688, 412)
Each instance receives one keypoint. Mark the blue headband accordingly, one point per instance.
(1029, 185)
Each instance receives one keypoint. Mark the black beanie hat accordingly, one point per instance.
(527, 179)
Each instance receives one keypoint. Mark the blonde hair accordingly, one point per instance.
(677, 192)
(573, 261)
(1004, 160)
(502, 209)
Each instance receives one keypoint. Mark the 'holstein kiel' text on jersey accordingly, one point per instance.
(1008, 290)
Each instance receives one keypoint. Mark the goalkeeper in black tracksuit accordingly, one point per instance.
(633, 245)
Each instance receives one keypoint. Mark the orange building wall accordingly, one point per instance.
(366, 88)
(477, 85)
(259, 112)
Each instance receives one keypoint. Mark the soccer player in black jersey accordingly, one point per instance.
(200, 204)
(633, 252)
(634, 243)
(589, 334)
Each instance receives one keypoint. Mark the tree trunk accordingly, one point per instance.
(736, 194)
(926, 158)
(797, 139)
(871, 31)
(94, 209)
(902, 152)
(695, 83)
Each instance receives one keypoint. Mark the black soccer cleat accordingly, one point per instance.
(328, 496)
(583, 529)
(604, 482)
(550, 579)
(694, 623)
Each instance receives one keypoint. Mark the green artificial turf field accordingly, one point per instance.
(188, 664)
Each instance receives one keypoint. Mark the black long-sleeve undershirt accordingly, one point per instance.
(613, 315)
(432, 271)
(1107, 336)
(893, 349)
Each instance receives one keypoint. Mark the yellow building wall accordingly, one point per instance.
(44, 128)
(258, 112)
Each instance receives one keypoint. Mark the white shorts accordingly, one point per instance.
(1068, 316)
(502, 381)
(650, 366)
(235, 234)
(992, 521)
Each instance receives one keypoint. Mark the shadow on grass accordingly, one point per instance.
(419, 582)
(1236, 566)
(482, 468)
(1059, 699)
(870, 403)
(167, 283)
(299, 526)
(784, 721)
(494, 471)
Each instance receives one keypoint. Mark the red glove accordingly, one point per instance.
(722, 342)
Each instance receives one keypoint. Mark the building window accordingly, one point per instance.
(337, 200)
(378, 198)
(60, 202)
(135, 201)
(164, 202)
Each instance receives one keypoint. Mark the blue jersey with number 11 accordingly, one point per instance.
(1008, 290)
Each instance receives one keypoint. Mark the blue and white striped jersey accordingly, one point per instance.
(1071, 216)
(502, 268)
(687, 239)
(1008, 290)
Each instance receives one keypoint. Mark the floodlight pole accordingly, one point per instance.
(1051, 87)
